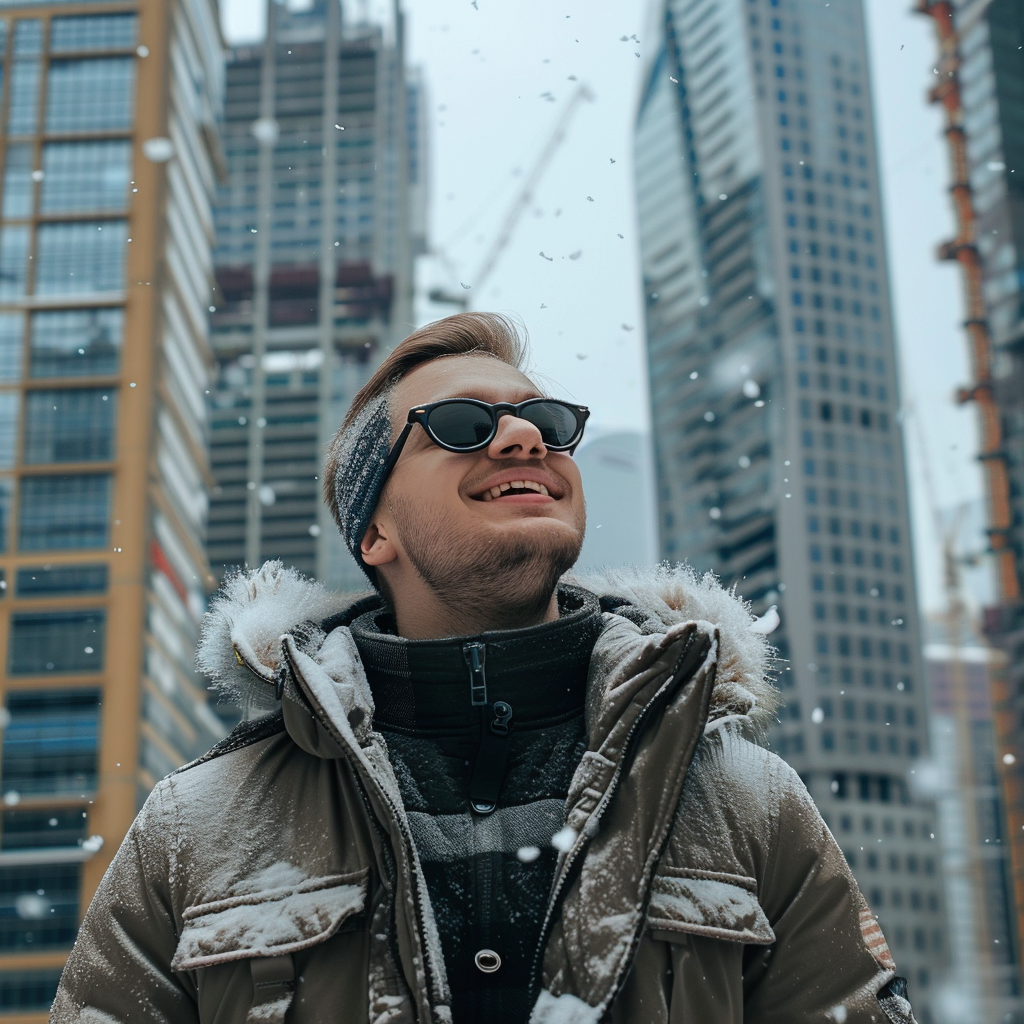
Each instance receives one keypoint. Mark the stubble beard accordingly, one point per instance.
(504, 574)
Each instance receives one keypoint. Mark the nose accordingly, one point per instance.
(516, 438)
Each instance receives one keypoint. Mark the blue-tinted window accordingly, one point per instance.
(33, 830)
(85, 177)
(80, 257)
(11, 328)
(48, 580)
(13, 261)
(69, 425)
(90, 95)
(28, 37)
(78, 34)
(18, 181)
(28, 991)
(21, 119)
(51, 744)
(61, 512)
(8, 428)
(6, 491)
(39, 906)
(75, 342)
(60, 642)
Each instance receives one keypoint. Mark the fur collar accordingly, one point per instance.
(240, 642)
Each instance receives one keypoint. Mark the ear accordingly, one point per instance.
(377, 548)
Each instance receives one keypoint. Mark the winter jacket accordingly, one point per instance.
(276, 878)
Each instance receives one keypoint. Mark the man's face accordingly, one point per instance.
(440, 508)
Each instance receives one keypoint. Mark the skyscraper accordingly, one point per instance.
(317, 225)
(108, 141)
(980, 84)
(778, 449)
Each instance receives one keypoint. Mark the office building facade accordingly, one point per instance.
(317, 227)
(980, 84)
(779, 457)
(108, 148)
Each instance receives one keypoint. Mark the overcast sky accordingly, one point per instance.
(499, 75)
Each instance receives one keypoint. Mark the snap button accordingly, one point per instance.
(487, 961)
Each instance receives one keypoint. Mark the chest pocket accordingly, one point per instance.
(266, 928)
(709, 903)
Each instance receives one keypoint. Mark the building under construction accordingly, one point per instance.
(317, 227)
(980, 85)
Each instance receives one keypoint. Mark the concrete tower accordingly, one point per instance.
(779, 456)
(317, 226)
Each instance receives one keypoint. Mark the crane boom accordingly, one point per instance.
(522, 200)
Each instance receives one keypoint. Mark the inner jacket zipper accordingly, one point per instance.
(495, 735)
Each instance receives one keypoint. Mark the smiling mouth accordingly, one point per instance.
(515, 489)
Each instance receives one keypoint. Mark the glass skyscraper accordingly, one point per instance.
(108, 144)
(779, 457)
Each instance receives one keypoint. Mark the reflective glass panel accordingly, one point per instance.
(39, 906)
(90, 95)
(48, 580)
(28, 991)
(70, 425)
(61, 512)
(75, 342)
(56, 642)
(6, 492)
(13, 261)
(18, 181)
(92, 32)
(21, 119)
(28, 36)
(11, 327)
(76, 258)
(84, 177)
(8, 428)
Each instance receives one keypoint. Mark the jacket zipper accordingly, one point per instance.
(573, 859)
(363, 778)
(489, 770)
(475, 655)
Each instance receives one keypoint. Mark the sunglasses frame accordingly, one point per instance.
(421, 414)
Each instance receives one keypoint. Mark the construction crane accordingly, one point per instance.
(522, 200)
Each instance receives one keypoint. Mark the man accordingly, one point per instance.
(483, 793)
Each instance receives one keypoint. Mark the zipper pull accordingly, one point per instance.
(475, 655)
(489, 770)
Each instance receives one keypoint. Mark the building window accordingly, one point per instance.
(57, 642)
(28, 991)
(72, 425)
(93, 32)
(34, 830)
(75, 342)
(49, 580)
(85, 177)
(6, 490)
(11, 328)
(61, 512)
(13, 261)
(8, 428)
(51, 744)
(80, 257)
(40, 906)
(18, 181)
(21, 119)
(90, 95)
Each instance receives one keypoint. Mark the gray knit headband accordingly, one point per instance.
(361, 453)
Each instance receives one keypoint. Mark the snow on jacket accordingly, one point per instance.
(277, 875)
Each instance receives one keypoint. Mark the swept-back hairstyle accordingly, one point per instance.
(356, 455)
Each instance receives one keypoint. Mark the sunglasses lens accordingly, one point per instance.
(556, 422)
(460, 424)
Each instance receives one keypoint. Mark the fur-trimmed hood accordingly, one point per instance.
(240, 647)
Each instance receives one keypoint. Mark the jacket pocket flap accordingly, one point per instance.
(268, 923)
(709, 903)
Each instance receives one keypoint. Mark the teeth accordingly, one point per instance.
(495, 492)
(526, 485)
(544, 490)
(504, 487)
(521, 484)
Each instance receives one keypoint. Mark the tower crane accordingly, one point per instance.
(519, 203)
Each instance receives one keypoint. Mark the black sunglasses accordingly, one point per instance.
(468, 425)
